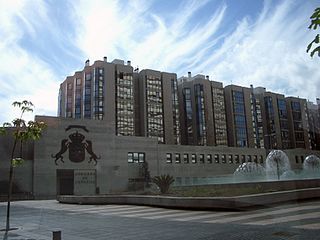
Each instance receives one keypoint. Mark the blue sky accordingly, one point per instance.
(241, 42)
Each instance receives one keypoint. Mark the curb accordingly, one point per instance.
(223, 203)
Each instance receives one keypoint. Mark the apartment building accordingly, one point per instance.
(275, 119)
(298, 122)
(102, 91)
(157, 106)
(203, 119)
(244, 119)
(314, 124)
(192, 110)
(135, 103)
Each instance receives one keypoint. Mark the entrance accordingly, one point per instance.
(65, 182)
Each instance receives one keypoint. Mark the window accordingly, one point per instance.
(195, 180)
(130, 157)
(98, 94)
(297, 159)
(78, 81)
(209, 158)
(201, 159)
(255, 158)
(135, 157)
(125, 104)
(230, 158)
(282, 108)
(243, 158)
(141, 157)
(189, 115)
(186, 158)
(216, 158)
(175, 111)
(223, 158)
(200, 115)
(295, 106)
(169, 158)
(194, 158)
(261, 159)
(88, 76)
(302, 159)
(178, 181)
(219, 115)
(178, 158)
(236, 158)
(187, 180)
(154, 108)
(249, 158)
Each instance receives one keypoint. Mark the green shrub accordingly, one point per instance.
(163, 182)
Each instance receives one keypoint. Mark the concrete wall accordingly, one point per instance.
(23, 173)
(193, 171)
(113, 173)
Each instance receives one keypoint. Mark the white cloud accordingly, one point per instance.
(147, 38)
(23, 75)
(270, 52)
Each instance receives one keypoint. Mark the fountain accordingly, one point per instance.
(311, 163)
(278, 165)
(250, 170)
(311, 166)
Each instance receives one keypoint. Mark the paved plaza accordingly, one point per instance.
(37, 220)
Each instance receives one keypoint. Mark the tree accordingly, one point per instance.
(315, 23)
(21, 131)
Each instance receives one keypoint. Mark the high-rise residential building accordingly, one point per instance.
(275, 119)
(203, 120)
(219, 113)
(244, 119)
(298, 122)
(189, 110)
(102, 91)
(314, 124)
(158, 107)
(141, 103)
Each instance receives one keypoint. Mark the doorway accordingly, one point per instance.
(65, 181)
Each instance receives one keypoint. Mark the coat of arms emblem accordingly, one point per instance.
(77, 146)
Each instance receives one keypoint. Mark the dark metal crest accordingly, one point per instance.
(77, 146)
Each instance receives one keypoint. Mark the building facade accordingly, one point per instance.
(135, 104)
(314, 124)
(202, 108)
(116, 124)
(86, 157)
(189, 110)
(298, 122)
(102, 91)
(275, 119)
(244, 119)
(158, 106)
